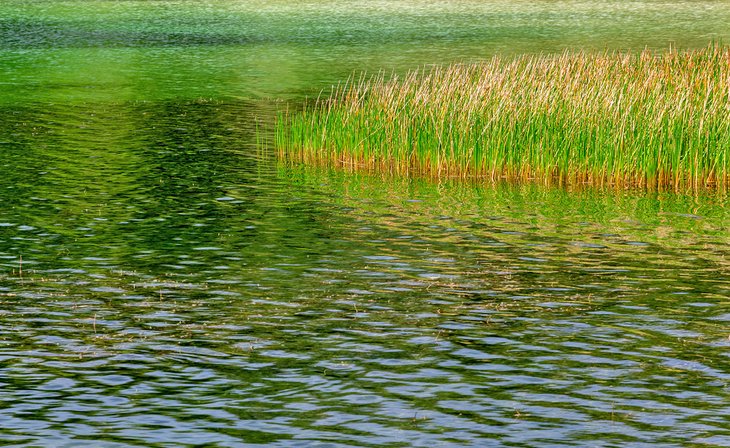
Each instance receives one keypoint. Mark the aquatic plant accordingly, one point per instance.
(656, 120)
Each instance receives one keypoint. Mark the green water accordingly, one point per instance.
(89, 51)
(165, 282)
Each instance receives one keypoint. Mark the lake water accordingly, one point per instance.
(165, 282)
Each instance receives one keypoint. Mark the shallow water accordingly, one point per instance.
(163, 282)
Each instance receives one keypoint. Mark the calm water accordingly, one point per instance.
(165, 283)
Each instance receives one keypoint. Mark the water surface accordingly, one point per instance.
(165, 282)
(124, 50)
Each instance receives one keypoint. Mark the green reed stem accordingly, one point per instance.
(648, 120)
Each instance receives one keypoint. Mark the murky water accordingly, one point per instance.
(163, 282)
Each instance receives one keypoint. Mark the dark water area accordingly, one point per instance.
(165, 281)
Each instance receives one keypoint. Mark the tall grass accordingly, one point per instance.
(641, 119)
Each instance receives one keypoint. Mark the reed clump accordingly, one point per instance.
(624, 119)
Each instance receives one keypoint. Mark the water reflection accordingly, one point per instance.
(176, 284)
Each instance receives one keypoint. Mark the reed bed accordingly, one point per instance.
(655, 120)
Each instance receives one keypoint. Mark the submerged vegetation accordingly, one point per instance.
(641, 119)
